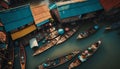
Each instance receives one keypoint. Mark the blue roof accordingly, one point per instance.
(79, 8)
(16, 17)
(44, 22)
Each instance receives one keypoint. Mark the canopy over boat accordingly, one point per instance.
(33, 42)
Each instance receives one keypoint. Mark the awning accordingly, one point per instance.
(33, 43)
(23, 32)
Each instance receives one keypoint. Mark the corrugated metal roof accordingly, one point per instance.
(16, 17)
(79, 8)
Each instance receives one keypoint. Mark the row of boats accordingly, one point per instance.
(80, 57)
(9, 57)
(57, 40)
(60, 60)
(22, 56)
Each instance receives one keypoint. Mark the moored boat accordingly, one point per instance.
(83, 56)
(67, 35)
(46, 46)
(58, 61)
(113, 26)
(11, 58)
(88, 32)
(22, 55)
(58, 40)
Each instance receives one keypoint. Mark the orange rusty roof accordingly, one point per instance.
(2, 36)
(109, 4)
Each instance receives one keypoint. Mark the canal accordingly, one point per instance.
(107, 56)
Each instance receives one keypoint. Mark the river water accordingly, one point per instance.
(107, 56)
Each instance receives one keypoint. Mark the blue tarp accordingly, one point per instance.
(16, 17)
(75, 9)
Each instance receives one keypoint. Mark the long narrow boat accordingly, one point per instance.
(10, 52)
(58, 40)
(22, 55)
(58, 61)
(67, 35)
(46, 46)
(0, 63)
(113, 26)
(11, 58)
(88, 32)
(82, 57)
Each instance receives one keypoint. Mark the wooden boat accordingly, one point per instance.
(22, 55)
(82, 57)
(0, 63)
(113, 26)
(58, 61)
(58, 40)
(10, 53)
(67, 35)
(52, 35)
(88, 32)
(11, 58)
(46, 46)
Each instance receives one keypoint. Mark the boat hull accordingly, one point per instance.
(58, 61)
(22, 56)
(87, 33)
(58, 40)
(83, 56)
